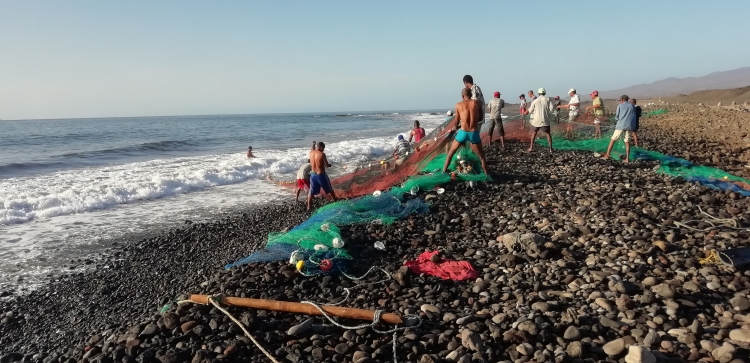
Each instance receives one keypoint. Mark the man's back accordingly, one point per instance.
(626, 117)
(469, 114)
(540, 110)
(495, 106)
(318, 161)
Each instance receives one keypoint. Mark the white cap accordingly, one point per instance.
(572, 90)
(449, 113)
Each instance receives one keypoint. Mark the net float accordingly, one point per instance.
(326, 265)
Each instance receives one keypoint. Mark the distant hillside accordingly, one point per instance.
(726, 96)
(676, 86)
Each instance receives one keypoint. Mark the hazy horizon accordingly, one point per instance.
(86, 59)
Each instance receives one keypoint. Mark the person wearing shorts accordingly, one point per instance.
(626, 117)
(496, 120)
(318, 177)
(467, 118)
(573, 105)
(541, 111)
(523, 111)
(303, 179)
(598, 109)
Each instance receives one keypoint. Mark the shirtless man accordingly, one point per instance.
(318, 176)
(468, 114)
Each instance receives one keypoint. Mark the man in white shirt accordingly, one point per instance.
(541, 114)
(476, 94)
(574, 105)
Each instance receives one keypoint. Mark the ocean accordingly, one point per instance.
(70, 188)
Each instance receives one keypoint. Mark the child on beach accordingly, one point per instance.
(523, 111)
(250, 152)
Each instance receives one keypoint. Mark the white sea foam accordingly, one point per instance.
(77, 191)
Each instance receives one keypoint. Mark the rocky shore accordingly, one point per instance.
(579, 260)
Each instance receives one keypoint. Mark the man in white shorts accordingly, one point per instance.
(573, 106)
(626, 118)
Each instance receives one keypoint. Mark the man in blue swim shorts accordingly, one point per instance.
(318, 177)
(468, 114)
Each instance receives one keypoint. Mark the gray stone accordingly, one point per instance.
(149, 330)
(664, 290)
(525, 349)
(614, 347)
(427, 308)
(740, 303)
(471, 340)
(651, 338)
(572, 333)
(639, 354)
(528, 326)
(301, 328)
(740, 335)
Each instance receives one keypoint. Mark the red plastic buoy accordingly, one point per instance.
(326, 265)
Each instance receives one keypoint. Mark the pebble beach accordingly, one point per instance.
(578, 259)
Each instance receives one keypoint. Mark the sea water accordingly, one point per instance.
(70, 187)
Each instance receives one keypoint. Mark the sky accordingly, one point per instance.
(76, 59)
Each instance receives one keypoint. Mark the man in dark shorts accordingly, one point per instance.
(541, 114)
(493, 108)
(318, 177)
(638, 112)
(468, 116)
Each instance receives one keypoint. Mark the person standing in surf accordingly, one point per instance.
(417, 133)
(318, 177)
(467, 117)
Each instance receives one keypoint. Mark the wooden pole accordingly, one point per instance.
(299, 308)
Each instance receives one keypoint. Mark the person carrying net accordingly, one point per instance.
(318, 177)
(541, 113)
(626, 119)
(467, 117)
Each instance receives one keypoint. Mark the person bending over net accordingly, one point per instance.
(303, 179)
(625, 116)
(467, 117)
(318, 177)
(399, 154)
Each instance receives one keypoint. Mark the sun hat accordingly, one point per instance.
(497, 94)
(595, 93)
(572, 90)
(557, 97)
(400, 137)
(541, 90)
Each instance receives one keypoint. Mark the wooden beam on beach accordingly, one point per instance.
(299, 308)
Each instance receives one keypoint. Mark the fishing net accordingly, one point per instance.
(378, 192)
(580, 139)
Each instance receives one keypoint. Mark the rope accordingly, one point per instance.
(211, 299)
(713, 221)
(714, 258)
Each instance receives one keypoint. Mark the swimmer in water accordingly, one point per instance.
(250, 152)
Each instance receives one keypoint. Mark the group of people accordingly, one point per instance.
(470, 114)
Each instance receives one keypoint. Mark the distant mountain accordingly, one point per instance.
(676, 86)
